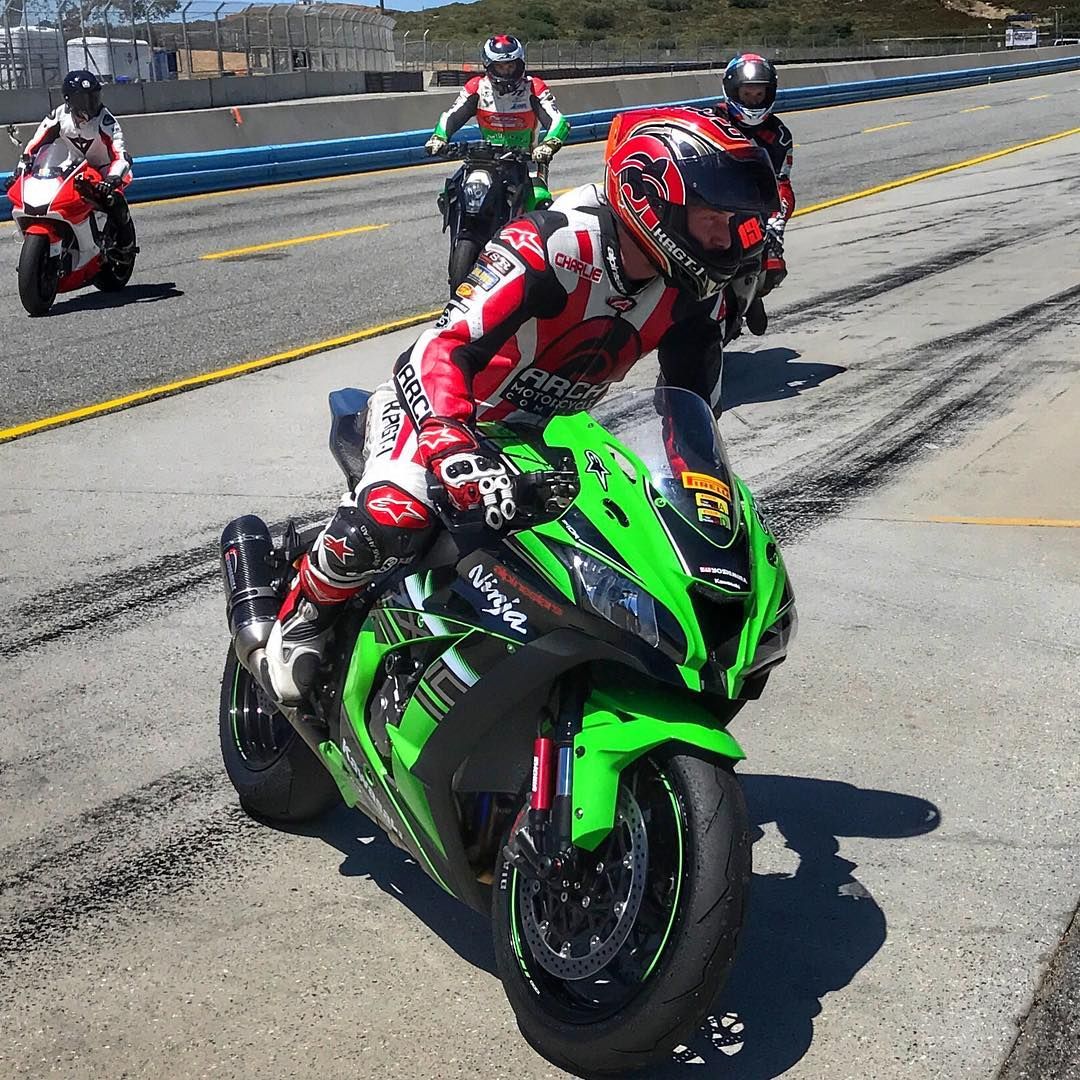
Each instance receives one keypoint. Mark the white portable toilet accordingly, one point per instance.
(32, 56)
(121, 57)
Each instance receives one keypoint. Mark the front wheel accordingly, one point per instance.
(462, 260)
(275, 773)
(38, 275)
(613, 963)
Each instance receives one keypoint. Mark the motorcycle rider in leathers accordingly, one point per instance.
(90, 131)
(510, 108)
(560, 305)
(750, 85)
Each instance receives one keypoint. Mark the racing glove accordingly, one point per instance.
(475, 482)
(435, 145)
(22, 166)
(545, 151)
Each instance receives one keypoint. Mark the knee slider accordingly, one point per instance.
(348, 547)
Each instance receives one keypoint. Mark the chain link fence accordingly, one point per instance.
(415, 52)
(155, 40)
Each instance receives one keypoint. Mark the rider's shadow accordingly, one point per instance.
(807, 933)
(770, 375)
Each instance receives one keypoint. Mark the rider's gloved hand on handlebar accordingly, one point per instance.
(435, 145)
(474, 481)
(545, 151)
(108, 184)
(22, 166)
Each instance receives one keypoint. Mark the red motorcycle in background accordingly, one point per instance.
(66, 234)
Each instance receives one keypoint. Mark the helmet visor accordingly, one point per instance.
(506, 70)
(739, 180)
(85, 104)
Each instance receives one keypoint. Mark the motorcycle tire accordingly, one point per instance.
(656, 988)
(275, 773)
(112, 277)
(38, 278)
(462, 260)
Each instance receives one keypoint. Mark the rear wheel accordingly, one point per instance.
(275, 773)
(616, 961)
(462, 259)
(112, 277)
(38, 275)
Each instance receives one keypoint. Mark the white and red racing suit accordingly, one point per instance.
(543, 325)
(510, 119)
(100, 140)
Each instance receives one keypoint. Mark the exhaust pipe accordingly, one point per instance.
(251, 602)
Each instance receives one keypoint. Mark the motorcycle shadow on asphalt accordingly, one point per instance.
(807, 933)
(368, 853)
(142, 293)
(770, 375)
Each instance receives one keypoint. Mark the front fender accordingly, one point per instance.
(618, 727)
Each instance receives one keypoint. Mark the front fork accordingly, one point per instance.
(542, 843)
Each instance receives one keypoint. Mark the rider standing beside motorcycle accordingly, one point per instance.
(749, 98)
(90, 131)
(560, 305)
(510, 108)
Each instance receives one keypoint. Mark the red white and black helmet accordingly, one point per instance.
(504, 62)
(659, 162)
(746, 70)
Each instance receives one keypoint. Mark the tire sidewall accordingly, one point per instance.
(676, 996)
(296, 787)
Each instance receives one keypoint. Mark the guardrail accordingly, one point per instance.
(171, 175)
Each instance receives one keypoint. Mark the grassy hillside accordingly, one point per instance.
(716, 21)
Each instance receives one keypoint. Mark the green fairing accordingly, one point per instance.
(618, 727)
(367, 656)
(764, 604)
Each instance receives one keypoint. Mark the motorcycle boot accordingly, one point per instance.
(297, 645)
(120, 248)
(757, 318)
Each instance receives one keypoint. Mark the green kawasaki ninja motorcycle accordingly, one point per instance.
(540, 716)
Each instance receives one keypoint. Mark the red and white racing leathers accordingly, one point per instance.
(510, 119)
(100, 140)
(543, 325)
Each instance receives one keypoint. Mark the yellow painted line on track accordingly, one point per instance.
(292, 243)
(210, 377)
(977, 108)
(888, 127)
(929, 173)
(1031, 523)
(1039, 97)
(155, 392)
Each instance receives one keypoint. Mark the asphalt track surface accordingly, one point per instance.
(184, 315)
(909, 421)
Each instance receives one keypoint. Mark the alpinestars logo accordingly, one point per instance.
(338, 547)
(391, 506)
(525, 240)
(597, 468)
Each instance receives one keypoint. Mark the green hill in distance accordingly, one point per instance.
(687, 23)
